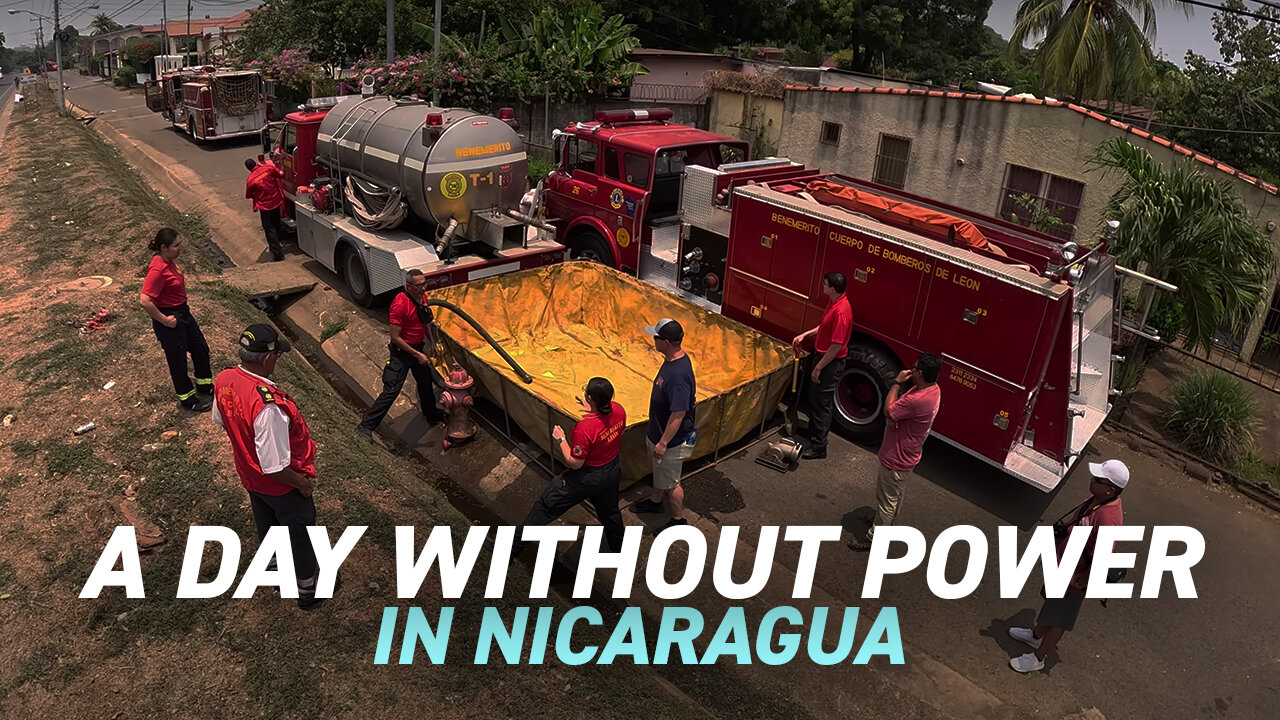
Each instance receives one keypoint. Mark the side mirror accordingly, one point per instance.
(557, 148)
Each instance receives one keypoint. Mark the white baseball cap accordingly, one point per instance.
(1113, 471)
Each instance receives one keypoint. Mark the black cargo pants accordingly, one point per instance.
(398, 367)
(598, 484)
(178, 342)
(822, 395)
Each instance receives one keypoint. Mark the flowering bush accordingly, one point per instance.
(463, 79)
(293, 71)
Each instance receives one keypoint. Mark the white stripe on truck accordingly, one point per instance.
(491, 271)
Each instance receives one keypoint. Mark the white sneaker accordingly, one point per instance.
(1026, 636)
(1027, 663)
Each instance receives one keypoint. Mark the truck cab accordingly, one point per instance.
(294, 140)
(617, 184)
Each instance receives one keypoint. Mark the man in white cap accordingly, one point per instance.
(1058, 615)
(672, 430)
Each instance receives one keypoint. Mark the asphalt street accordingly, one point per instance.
(1213, 656)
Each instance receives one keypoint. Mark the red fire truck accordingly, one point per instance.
(1023, 322)
(211, 104)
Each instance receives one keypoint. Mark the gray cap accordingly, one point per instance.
(667, 329)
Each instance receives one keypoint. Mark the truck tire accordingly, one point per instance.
(356, 276)
(591, 246)
(869, 372)
(191, 129)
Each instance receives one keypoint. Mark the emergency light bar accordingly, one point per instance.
(617, 116)
(322, 102)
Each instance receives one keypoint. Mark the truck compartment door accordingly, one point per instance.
(757, 303)
(154, 92)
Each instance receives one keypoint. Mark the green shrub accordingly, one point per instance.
(1214, 415)
(125, 77)
(539, 169)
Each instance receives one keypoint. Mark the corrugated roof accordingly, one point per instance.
(178, 28)
(1180, 149)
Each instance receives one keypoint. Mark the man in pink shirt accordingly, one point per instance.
(908, 417)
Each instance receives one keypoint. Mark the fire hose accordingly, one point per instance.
(526, 377)
(387, 212)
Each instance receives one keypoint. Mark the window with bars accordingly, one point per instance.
(1044, 202)
(891, 161)
(830, 133)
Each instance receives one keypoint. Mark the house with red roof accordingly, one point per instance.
(984, 152)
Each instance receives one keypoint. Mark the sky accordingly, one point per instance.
(1175, 31)
(20, 29)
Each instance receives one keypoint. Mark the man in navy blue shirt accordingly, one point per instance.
(672, 430)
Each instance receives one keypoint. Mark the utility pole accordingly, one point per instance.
(435, 54)
(187, 43)
(40, 33)
(57, 54)
(391, 31)
(164, 11)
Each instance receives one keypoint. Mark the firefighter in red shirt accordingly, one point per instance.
(263, 187)
(164, 297)
(411, 324)
(831, 341)
(272, 448)
(594, 470)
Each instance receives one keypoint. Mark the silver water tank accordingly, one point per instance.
(466, 163)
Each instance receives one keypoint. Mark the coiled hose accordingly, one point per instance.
(374, 208)
(526, 377)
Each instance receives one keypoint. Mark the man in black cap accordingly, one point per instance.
(672, 429)
(272, 448)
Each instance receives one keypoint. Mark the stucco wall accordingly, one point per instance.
(960, 149)
(758, 120)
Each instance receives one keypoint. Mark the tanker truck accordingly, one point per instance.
(377, 185)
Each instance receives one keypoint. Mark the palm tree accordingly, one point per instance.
(1092, 49)
(1191, 229)
(102, 23)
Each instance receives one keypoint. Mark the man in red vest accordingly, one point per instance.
(272, 448)
(263, 187)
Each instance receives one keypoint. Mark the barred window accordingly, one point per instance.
(891, 161)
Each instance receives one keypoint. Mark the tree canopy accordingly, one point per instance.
(1227, 111)
(1089, 49)
(102, 23)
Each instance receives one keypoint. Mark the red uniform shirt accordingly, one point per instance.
(836, 326)
(404, 314)
(240, 397)
(596, 437)
(165, 283)
(263, 186)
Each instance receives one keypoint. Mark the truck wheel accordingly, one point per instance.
(590, 245)
(869, 372)
(191, 128)
(357, 278)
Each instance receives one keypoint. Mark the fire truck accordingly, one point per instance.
(1023, 322)
(211, 104)
(377, 185)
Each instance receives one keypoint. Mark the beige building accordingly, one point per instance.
(981, 152)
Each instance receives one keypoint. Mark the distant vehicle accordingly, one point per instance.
(211, 104)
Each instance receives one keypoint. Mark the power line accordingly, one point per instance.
(1232, 11)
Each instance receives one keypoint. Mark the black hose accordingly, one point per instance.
(526, 377)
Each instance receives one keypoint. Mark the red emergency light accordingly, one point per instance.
(506, 114)
(435, 120)
(617, 116)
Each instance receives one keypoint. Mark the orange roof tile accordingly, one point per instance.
(1072, 106)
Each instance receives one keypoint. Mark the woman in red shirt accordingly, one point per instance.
(164, 298)
(594, 471)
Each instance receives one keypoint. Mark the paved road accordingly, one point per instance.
(1216, 656)
(211, 175)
